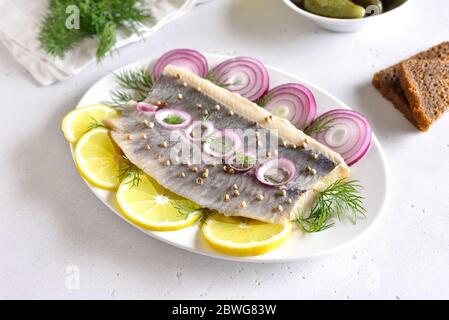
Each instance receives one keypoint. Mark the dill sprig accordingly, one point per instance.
(98, 19)
(321, 124)
(135, 84)
(94, 124)
(212, 77)
(341, 199)
(263, 101)
(130, 172)
(55, 37)
(244, 159)
(134, 176)
(140, 81)
(186, 208)
(119, 98)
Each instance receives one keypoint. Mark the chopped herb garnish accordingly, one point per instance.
(174, 119)
(245, 160)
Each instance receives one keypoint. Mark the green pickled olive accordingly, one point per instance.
(372, 7)
(335, 8)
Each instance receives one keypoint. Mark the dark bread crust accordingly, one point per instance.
(426, 85)
(388, 83)
(391, 90)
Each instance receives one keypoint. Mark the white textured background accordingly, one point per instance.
(50, 220)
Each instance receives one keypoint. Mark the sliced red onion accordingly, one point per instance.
(222, 144)
(146, 107)
(188, 59)
(200, 129)
(237, 162)
(350, 134)
(245, 76)
(171, 118)
(276, 172)
(293, 102)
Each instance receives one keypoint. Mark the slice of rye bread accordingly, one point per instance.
(388, 83)
(426, 85)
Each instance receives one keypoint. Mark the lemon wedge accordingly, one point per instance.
(77, 122)
(243, 237)
(152, 207)
(98, 159)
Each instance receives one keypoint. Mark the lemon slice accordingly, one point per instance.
(152, 207)
(77, 122)
(98, 159)
(243, 237)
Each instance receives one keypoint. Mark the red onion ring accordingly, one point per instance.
(282, 163)
(350, 134)
(298, 100)
(146, 107)
(245, 76)
(221, 136)
(188, 59)
(161, 115)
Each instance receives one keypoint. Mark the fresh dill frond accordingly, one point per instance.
(98, 19)
(119, 98)
(341, 199)
(212, 77)
(186, 208)
(54, 36)
(130, 172)
(107, 38)
(263, 101)
(135, 84)
(140, 81)
(94, 124)
(321, 124)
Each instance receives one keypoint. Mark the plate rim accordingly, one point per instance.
(218, 255)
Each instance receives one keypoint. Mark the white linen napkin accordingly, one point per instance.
(20, 25)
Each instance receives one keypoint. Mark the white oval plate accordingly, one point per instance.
(371, 171)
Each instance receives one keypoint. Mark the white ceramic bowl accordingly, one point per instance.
(349, 25)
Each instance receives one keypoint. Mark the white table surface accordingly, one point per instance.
(51, 221)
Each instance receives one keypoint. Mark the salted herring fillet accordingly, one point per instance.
(149, 145)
